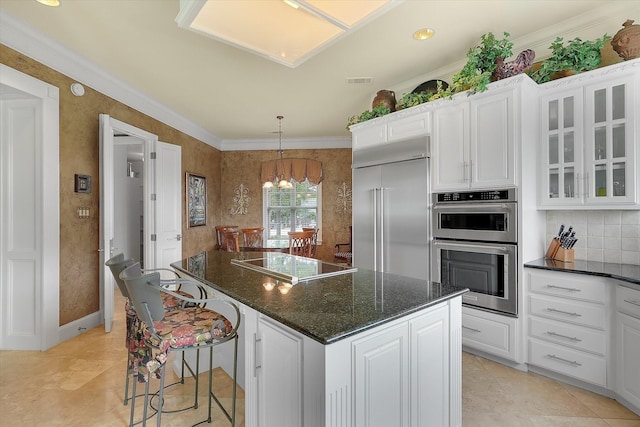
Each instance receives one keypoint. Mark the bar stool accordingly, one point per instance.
(117, 264)
(187, 327)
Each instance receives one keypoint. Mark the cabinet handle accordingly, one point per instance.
(564, 288)
(633, 302)
(256, 340)
(555, 334)
(555, 310)
(570, 362)
(586, 185)
(472, 329)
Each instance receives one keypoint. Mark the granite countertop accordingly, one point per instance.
(326, 309)
(625, 272)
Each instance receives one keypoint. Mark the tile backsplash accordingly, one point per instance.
(604, 236)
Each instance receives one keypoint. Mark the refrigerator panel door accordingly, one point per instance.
(406, 218)
(365, 183)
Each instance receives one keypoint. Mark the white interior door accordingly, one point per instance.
(168, 172)
(109, 127)
(29, 212)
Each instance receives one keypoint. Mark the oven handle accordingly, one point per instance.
(476, 207)
(473, 245)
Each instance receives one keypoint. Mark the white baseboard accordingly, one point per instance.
(75, 328)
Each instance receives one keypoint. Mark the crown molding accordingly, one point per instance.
(288, 144)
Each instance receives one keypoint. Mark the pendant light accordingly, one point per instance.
(280, 178)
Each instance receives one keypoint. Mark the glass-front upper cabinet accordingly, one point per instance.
(561, 134)
(610, 146)
(589, 147)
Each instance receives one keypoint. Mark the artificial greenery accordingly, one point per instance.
(378, 111)
(576, 55)
(481, 63)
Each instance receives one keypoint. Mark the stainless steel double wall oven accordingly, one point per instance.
(475, 238)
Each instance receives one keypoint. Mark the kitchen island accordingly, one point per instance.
(354, 348)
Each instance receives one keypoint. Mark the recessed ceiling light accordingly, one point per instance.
(53, 3)
(423, 34)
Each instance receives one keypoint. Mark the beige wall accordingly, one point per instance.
(79, 153)
(243, 167)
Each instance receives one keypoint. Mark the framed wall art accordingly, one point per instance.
(196, 200)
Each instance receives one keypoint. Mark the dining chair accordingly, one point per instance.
(190, 326)
(300, 243)
(220, 230)
(232, 241)
(314, 244)
(117, 264)
(343, 251)
(252, 237)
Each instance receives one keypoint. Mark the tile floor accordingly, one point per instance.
(80, 383)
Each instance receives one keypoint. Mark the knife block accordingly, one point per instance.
(564, 255)
(553, 248)
(558, 253)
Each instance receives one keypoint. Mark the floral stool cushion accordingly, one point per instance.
(180, 329)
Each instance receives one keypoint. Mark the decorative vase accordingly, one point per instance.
(386, 98)
(626, 42)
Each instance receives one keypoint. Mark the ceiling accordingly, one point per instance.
(236, 95)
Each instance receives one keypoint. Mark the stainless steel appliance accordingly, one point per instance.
(475, 246)
(391, 208)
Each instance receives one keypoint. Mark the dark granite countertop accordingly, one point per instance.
(326, 309)
(625, 272)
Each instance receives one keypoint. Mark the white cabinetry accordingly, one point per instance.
(279, 375)
(476, 141)
(406, 372)
(589, 153)
(628, 345)
(393, 127)
(568, 325)
(490, 333)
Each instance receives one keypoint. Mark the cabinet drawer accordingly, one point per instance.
(568, 362)
(408, 127)
(570, 335)
(490, 335)
(580, 313)
(628, 301)
(568, 285)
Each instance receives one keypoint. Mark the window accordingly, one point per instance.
(290, 209)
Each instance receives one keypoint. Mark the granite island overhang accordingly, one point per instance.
(325, 309)
(336, 350)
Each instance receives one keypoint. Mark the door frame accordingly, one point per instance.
(108, 128)
(48, 303)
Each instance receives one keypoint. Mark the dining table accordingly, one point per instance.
(281, 245)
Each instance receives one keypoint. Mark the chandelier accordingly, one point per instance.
(278, 166)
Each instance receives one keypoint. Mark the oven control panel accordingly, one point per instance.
(507, 195)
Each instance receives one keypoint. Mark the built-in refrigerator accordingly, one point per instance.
(391, 208)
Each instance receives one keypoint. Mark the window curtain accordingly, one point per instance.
(298, 169)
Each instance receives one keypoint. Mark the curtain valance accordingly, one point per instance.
(298, 169)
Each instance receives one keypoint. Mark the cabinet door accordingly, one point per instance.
(628, 360)
(381, 379)
(450, 148)
(430, 369)
(562, 147)
(610, 144)
(492, 147)
(279, 376)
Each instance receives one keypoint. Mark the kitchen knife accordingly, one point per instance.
(573, 242)
(560, 231)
